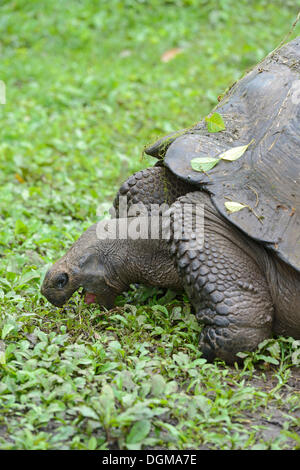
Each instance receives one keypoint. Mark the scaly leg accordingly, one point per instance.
(223, 281)
(154, 185)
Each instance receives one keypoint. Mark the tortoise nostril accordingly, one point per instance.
(61, 280)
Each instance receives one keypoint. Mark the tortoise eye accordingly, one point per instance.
(61, 280)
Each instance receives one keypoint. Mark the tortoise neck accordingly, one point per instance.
(148, 262)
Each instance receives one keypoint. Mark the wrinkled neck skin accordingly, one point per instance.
(148, 262)
(105, 268)
(138, 261)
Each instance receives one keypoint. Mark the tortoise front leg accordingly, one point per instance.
(224, 283)
(154, 185)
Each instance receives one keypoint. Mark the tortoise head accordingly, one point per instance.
(84, 265)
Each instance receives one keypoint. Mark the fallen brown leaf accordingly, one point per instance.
(170, 54)
(19, 178)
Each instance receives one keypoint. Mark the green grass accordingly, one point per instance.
(86, 91)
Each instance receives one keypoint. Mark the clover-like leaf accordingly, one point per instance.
(215, 123)
(232, 206)
(7, 328)
(204, 164)
(139, 431)
(234, 153)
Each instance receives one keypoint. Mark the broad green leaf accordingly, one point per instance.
(171, 387)
(2, 357)
(234, 153)
(268, 359)
(274, 349)
(158, 385)
(135, 446)
(215, 123)
(139, 431)
(2, 353)
(234, 206)
(107, 403)
(296, 358)
(92, 443)
(87, 412)
(242, 355)
(204, 164)
(7, 328)
(108, 366)
(20, 228)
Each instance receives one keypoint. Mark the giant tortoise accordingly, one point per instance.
(243, 279)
